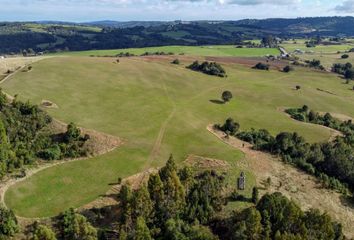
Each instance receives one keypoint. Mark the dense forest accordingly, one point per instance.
(184, 204)
(55, 36)
(26, 136)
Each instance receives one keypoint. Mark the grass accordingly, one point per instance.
(291, 47)
(219, 50)
(136, 98)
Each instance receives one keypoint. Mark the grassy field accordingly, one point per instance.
(154, 105)
(291, 47)
(220, 50)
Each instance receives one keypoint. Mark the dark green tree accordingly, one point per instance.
(226, 96)
(8, 223)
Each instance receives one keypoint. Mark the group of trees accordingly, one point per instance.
(276, 217)
(25, 136)
(331, 162)
(175, 204)
(344, 69)
(210, 68)
(183, 204)
(315, 64)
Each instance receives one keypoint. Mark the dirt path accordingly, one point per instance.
(293, 183)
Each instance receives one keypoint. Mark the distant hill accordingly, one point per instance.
(58, 36)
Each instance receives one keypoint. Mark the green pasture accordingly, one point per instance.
(218, 50)
(161, 106)
(321, 49)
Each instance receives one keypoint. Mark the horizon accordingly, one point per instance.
(169, 10)
(43, 21)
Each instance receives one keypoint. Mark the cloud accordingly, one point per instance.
(243, 2)
(346, 7)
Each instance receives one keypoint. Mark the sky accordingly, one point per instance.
(166, 10)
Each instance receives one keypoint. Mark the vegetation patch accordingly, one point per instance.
(330, 162)
(210, 68)
(26, 136)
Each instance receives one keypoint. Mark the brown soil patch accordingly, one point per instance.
(48, 104)
(205, 163)
(340, 116)
(250, 61)
(98, 144)
(293, 183)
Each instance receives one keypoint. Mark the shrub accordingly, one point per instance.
(226, 96)
(261, 66)
(349, 74)
(8, 223)
(176, 61)
(345, 56)
(211, 68)
(287, 69)
(297, 87)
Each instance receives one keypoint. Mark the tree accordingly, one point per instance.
(226, 96)
(4, 150)
(297, 87)
(76, 227)
(287, 69)
(230, 126)
(42, 232)
(125, 198)
(141, 203)
(349, 74)
(8, 223)
(255, 195)
(174, 192)
(142, 232)
(72, 133)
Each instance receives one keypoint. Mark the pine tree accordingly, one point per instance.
(141, 203)
(255, 195)
(267, 225)
(142, 232)
(125, 198)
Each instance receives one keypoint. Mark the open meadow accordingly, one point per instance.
(219, 50)
(157, 108)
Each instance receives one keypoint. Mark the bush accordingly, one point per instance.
(8, 223)
(349, 74)
(345, 56)
(287, 69)
(210, 68)
(261, 66)
(226, 96)
(176, 61)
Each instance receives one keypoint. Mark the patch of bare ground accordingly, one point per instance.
(48, 104)
(334, 133)
(250, 61)
(340, 116)
(205, 163)
(293, 183)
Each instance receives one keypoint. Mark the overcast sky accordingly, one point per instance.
(126, 10)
